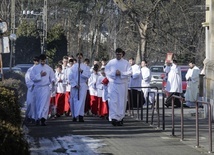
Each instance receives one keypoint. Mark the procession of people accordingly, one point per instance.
(75, 89)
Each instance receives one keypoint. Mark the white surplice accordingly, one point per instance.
(145, 82)
(135, 79)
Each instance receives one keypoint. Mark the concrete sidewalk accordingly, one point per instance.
(134, 138)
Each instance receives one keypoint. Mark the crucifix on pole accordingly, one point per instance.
(79, 48)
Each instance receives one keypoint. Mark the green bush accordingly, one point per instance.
(9, 107)
(11, 137)
(19, 86)
(12, 140)
(14, 75)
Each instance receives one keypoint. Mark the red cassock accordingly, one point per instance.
(60, 103)
(94, 104)
(102, 107)
(102, 104)
(67, 102)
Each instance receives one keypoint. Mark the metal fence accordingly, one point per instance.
(155, 105)
(197, 121)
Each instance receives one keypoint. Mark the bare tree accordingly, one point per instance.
(140, 18)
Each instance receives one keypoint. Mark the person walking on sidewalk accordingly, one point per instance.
(134, 81)
(65, 70)
(118, 71)
(192, 77)
(78, 77)
(31, 105)
(146, 79)
(174, 84)
(92, 81)
(43, 76)
(60, 91)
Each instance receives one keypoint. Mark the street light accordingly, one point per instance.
(13, 39)
(30, 14)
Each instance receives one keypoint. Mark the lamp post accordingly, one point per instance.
(13, 39)
(30, 14)
(3, 29)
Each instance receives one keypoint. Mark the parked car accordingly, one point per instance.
(184, 70)
(14, 69)
(156, 78)
(7, 69)
(24, 67)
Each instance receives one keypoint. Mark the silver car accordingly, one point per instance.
(156, 79)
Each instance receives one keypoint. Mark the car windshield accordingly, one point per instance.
(156, 69)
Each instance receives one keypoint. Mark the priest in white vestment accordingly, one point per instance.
(192, 77)
(118, 71)
(43, 76)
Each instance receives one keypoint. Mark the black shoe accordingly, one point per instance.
(43, 122)
(57, 115)
(33, 121)
(185, 106)
(107, 118)
(114, 122)
(74, 119)
(119, 123)
(122, 121)
(37, 122)
(81, 119)
(67, 114)
(166, 105)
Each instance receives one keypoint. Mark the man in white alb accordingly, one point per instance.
(78, 76)
(43, 76)
(118, 71)
(192, 77)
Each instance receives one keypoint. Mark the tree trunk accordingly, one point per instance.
(142, 28)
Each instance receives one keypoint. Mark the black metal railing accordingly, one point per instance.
(209, 124)
(154, 105)
(197, 121)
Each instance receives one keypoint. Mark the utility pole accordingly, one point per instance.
(12, 31)
(44, 39)
(13, 16)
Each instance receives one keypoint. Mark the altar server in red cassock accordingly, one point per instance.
(102, 92)
(60, 90)
(65, 71)
(92, 81)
